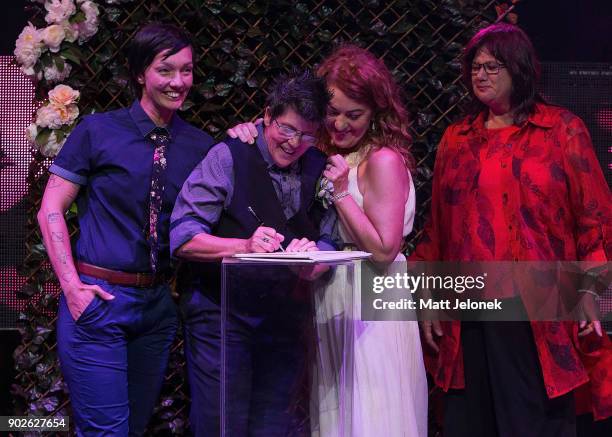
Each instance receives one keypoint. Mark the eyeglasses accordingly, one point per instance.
(289, 133)
(489, 67)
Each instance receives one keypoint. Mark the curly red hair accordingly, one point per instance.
(365, 79)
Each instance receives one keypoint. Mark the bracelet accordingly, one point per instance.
(584, 290)
(339, 196)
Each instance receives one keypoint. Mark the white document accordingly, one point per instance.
(304, 257)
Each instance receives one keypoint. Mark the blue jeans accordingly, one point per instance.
(114, 357)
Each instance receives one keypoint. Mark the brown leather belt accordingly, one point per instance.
(143, 280)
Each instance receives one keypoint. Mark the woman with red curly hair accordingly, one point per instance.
(379, 388)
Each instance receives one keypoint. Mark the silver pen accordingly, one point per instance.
(261, 223)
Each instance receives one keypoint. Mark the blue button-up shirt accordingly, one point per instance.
(110, 156)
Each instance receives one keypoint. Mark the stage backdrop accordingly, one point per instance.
(241, 45)
(586, 89)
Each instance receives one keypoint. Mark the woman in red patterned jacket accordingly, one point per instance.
(516, 180)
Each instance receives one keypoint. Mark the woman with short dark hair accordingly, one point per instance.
(515, 180)
(124, 169)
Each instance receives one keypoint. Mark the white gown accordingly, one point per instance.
(369, 377)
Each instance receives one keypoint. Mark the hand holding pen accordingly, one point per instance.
(264, 239)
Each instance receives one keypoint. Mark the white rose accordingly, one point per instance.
(68, 113)
(59, 10)
(90, 9)
(63, 95)
(71, 30)
(89, 27)
(53, 36)
(52, 147)
(29, 71)
(48, 116)
(87, 30)
(31, 133)
(28, 47)
(52, 73)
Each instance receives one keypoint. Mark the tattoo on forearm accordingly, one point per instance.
(53, 217)
(54, 182)
(57, 237)
(67, 276)
(63, 257)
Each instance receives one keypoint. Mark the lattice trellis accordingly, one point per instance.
(240, 46)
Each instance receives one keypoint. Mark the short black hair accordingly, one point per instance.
(301, 91)
(149, 41)
(511, 46)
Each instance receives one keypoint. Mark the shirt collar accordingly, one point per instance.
(540, 117)
(262, 145)
(145, 125)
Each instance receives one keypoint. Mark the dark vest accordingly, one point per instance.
(253, 187)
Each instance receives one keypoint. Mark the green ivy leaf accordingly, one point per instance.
(401, 28)
(59, 135)
(27, 290)
(72, 53)
(239, 9)
(74, 209)
(325, 11)
(79, 17)
(187, 104)
(112, 14)
(59, 63)
(213, 129)
(226, 45)
(223, 89)
(214, 8)
(43, 136)
(48, 301)
(379, 28)
(324, 35)
(254, 32)
(45, 60)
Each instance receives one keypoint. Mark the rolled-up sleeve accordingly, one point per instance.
(73, 161)
(207, 190)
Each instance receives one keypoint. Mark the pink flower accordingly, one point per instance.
(59, 10)
(52, 147)
(89, 27)
(48, 116)
(63, 95)
(53, 36)
(28, 48)
(52, 73)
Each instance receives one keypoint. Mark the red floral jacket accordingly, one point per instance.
(529, 192)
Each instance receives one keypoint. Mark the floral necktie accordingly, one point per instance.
(160, 138)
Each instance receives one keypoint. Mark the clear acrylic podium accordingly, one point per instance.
(286, 347)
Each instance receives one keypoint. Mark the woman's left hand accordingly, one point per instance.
(589, 316)
(337, 171)
(303, 245)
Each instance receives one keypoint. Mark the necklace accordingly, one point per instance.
(353, 159)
